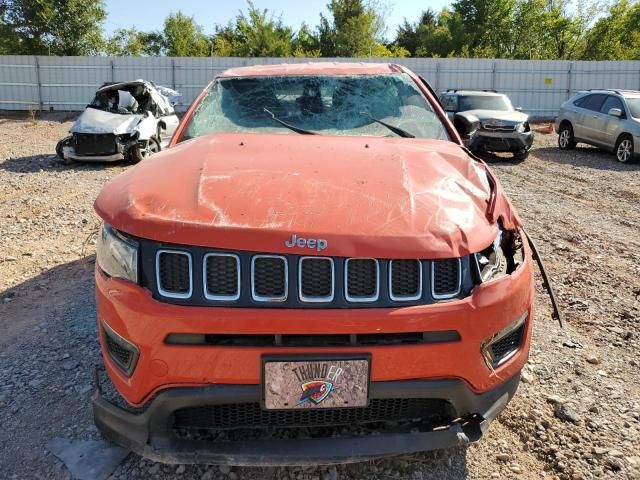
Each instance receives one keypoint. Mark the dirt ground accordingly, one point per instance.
(576, 414)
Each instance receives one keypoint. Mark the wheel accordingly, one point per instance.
(520, 155)
(624, 148)
(144, 150)
(565, 137)
(66, 141)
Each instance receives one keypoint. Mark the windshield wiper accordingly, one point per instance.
(397, 130)
(285, 124)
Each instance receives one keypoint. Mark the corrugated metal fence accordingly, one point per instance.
(68, 83)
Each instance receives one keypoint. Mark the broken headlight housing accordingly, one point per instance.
(116, 254)
(502, 257)
(523, 127)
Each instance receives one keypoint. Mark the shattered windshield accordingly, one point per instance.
(485, 102)
(325, 104)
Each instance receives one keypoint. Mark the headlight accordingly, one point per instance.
(522, 127)
(117, 255)
(491, 261)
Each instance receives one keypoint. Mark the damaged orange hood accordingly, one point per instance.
(378, 197)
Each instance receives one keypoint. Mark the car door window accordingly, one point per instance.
(611, 102)
(593, 102)
(450, 102)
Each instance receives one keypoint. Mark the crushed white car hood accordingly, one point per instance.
(93, 120)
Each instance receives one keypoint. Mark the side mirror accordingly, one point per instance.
(616, 112)
(465, 124)
(518, 109)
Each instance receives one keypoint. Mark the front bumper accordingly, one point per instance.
(150, 433)
(69, 154)
(495, 141)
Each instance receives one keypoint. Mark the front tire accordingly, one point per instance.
(520, 155)
(66, 141)
(624, 149)
(566, 140)
(143, 150)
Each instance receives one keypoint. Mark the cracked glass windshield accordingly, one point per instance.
(326, 104)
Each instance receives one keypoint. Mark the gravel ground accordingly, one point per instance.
(576, 414)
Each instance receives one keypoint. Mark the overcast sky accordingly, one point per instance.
(149, 14)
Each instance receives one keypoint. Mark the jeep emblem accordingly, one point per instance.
(318, 243)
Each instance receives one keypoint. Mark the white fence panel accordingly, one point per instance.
(69, 83)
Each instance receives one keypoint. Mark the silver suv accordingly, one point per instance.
(609, 119)
(502, 128)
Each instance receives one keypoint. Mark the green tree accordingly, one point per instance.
(126, 41)
(615, 36)
(183, 37)
(354, 30)
(258, 33)
(51, 27)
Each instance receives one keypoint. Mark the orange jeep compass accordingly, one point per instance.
(316, 271)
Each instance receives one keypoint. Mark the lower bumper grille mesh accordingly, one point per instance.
(251, 415)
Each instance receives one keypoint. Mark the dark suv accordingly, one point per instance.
(502, 128)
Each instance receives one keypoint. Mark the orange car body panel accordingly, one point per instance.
(367, 196)
(133, 313)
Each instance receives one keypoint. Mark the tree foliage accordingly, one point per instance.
(51, 27)
(519, 29)
(183, 37)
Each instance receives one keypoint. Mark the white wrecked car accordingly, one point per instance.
(125, 121)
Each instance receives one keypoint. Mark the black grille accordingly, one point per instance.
(269, 277)
(405, 278)
(250, 415)
(316, 278)
(222, 276)
(92, 144)
(313, 340)
(120, 355)
(506, 345)
(362, 278)
(446, 277)
(173, 272)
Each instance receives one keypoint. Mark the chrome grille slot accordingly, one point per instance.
(173, 273)
(362, 279)
(269, 278)
(405, 280)
(221, 276)
(316, 279)
(446, 278)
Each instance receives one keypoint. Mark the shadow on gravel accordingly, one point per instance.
(588, 157)
(50, 162)
(23, 307)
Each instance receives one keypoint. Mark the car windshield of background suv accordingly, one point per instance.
(484, 102)
(634, 106)
(325, 104)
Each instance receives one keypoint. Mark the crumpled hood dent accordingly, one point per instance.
(93, 120)
(378, 197)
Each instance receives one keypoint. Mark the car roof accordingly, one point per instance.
(314, 68)
(480, 93)
(621, 92)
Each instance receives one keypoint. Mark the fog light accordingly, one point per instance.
(123, 353)
(504, 344)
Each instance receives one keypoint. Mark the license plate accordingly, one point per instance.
(317, 383)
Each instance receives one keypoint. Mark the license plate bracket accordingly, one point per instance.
(304, 381)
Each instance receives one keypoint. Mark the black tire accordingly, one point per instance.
(140, 151)
(565, 137)
(624, 148)
(520, 155)
(59, 149)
